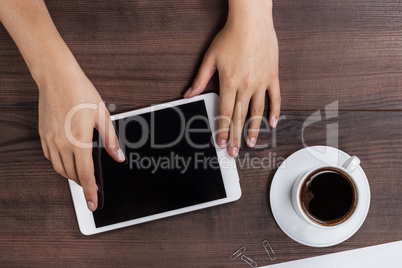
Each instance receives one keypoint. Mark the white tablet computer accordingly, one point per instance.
(173, 167)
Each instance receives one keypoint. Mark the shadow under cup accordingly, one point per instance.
(328, 196)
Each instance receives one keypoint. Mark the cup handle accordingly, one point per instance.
(351, 164)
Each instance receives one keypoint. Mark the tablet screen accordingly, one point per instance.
(172, 164)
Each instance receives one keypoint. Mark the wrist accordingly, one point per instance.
(52, 65)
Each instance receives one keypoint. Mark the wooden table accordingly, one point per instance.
(139, 53)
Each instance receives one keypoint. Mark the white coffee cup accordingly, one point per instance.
(300, 193)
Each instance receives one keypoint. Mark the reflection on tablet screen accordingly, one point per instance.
(172, 163)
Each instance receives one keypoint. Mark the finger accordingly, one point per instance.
(69, 165)
(45, 148)
(205, 73)
(256, 114)
(57, 162)
(238, 118)
(226, 106)
(85, 172)
(108, 134)
(275, 102)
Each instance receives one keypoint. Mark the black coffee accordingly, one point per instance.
(328, 197)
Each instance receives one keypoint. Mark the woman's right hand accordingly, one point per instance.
(69, 109)
(69, 105)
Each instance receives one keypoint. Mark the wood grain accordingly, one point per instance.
(141, 52)
(38, 224)
(339, 50)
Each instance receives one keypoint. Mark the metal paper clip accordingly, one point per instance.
(249, 261)
(269, 250)
(237, 253)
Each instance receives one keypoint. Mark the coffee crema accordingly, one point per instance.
(328, 196)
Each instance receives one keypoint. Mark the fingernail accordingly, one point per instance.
(187, 92)
(234, 151)
(222, 143)
(120, 155)
(274, 121)
(251, 141)
(91, 206)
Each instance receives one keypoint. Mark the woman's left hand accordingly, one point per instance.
(245, 53)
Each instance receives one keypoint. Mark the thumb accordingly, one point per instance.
(204, 74)
(108, 135)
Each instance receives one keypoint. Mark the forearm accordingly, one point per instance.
(241, 12)
(32, 29)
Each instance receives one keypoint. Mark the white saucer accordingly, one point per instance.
(281, 204)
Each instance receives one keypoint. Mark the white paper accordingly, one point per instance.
(385, 255)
